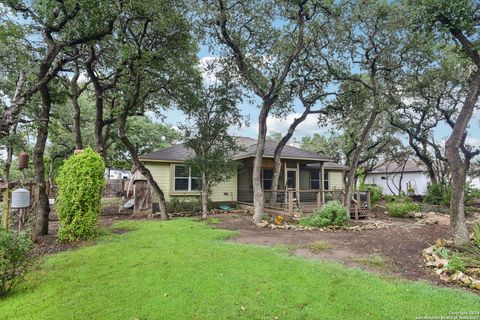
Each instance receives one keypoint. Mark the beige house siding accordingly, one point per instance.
(162, 172)
(336, 179)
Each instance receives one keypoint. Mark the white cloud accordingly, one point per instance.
(307, 128)
(474, 142)
(208, 67)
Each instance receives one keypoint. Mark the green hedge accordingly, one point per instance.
(80, 186)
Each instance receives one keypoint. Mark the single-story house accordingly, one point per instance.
(392, 177)
(302, 171)
(413, 177)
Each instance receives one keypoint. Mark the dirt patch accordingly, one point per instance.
(400, 245)
(49, 245)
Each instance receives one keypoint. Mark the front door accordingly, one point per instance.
(291, 182)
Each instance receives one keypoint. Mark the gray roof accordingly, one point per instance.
(393, 167)
(327, 165)
(179, 152)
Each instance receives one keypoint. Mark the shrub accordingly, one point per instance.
(15, 259)
(332, 214)
(176, 205)
(476, 233)
(455, 263)
(375, 192)
(389, 198)
(440, 194)
(80, 186)
(401, 207)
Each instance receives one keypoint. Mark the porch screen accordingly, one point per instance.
(183, 180)
(314, 180)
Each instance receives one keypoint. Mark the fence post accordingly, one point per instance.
(290, 202)
(369, 199)
(319, 199)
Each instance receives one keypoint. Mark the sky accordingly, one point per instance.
(310, 126)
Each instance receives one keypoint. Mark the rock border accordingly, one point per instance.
(440, 265)
(297, 227)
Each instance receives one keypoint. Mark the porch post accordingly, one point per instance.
(322, 193)
(297, 181)
(290, 202)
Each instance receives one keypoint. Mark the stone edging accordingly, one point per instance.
(440, 266)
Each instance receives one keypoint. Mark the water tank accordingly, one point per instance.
(20, 198)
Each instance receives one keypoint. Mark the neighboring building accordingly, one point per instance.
(390, 175)
(301, 171)
(113, 174)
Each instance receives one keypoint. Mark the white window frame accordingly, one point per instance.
(327, 180)
(190, 178)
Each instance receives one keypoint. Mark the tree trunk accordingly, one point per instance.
(278, 151)
(204, 196)
(74, 95)
(356, 157)
(139, 165)
(43, 206)
(258, 196)
(425, 159)
(459, 167)
(401, 178)
(99, 105)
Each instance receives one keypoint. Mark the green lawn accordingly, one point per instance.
(183, 269)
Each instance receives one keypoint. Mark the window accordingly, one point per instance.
(183, 180)
(326, 181)
(267, 176)
(314, 180)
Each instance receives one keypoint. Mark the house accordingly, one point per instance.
(393, 178)
(306, 176)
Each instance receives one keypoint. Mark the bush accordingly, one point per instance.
(476, 233)
(184, 205)
(401, 207)
(440, 194)
(332, 214)
(375, 192)
(15, 259)
(80, 186)
(455, 263)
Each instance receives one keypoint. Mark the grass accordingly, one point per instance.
(183, 269)
(318, 246)
(374, 261)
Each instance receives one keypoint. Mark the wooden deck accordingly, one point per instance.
(308, 201)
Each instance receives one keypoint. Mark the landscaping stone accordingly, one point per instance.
(432, 259)
(263, 224)
(416, 215)
(457, 276)
(428, 220)
(466, 281)
(475, 284)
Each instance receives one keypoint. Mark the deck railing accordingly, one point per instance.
(292, 201)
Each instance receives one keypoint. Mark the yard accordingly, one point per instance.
(184, 269)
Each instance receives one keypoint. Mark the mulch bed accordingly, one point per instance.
(401, 246)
